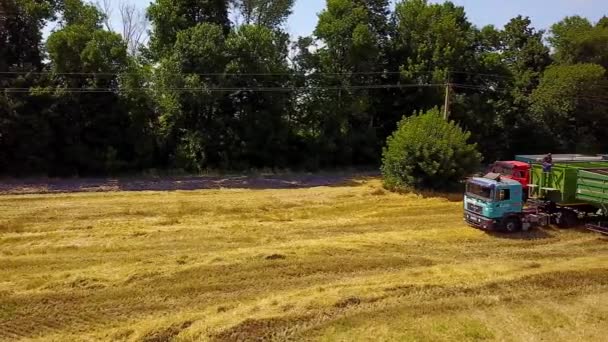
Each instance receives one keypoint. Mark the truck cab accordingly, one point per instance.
(515, 170)
(494, 203)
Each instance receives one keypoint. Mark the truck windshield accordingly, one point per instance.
(479, 191)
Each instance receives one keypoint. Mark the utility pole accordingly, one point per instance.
(446, 105)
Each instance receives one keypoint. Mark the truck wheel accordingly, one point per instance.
(512, 225)
(568, 219)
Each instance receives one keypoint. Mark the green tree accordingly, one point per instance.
(576, 40)
(434, 39)
(89, 120)
(138, 101)
(208, 93)
(262, 115)
(77, 12)
(268, 13)
(169, 17)
(194, 126)
(433, 42)
(426, 152)
(526, 57)
(493, 101)
(24, 131)
(239, 127)
(351, 58)
(478, 104)
(570, 103)
(21, 24)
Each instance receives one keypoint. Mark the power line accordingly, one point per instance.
(42, 73)
(481, 87)
(483, 74)
(249, 75)
(588, 98)
(219, 89)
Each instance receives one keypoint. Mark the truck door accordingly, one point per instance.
(507, 202)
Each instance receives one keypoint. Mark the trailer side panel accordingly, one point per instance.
(592, 187)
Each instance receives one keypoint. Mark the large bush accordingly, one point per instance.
(427, 152)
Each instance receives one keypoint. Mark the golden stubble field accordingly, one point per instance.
(342, 263)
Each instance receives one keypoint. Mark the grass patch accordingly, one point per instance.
(13, 226)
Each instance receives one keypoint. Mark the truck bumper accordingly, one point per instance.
(478, 221)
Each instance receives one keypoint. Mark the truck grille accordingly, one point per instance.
(474, 208)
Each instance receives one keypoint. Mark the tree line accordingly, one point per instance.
(221, 85)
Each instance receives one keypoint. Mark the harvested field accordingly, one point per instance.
(329, 262)
(54, 186)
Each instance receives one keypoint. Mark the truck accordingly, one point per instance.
(567, 195)
(519, 169)
(513, 169)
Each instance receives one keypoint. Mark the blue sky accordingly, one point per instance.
(481, 12)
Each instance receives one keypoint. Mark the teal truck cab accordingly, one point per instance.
(495, 203)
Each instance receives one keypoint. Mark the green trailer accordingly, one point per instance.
(561, 184)
(562, 158)
(572, 190)
(592, 187)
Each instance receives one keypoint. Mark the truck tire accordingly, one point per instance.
(512, 224)
(568, 219)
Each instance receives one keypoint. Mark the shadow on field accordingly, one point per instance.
(584, 230)
(455, 194)
(534, 234)
(296, 181)
(452, 197)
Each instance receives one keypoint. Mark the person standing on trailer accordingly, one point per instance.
(547, 163)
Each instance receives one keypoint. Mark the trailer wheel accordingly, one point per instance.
(567, 219)
(512, 224)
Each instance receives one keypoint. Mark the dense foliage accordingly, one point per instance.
(221, 85)
(427, 152)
